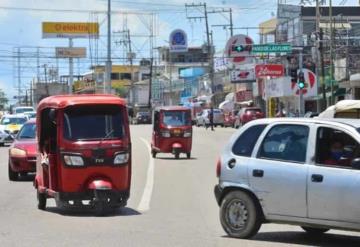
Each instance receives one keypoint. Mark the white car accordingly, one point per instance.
(23, 109)
(202, 119)
(295, 171)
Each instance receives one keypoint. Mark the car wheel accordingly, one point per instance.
(13, 176)
(314, 231)
(2, 144)
(222, 125)
(41, 198)
(239, 215)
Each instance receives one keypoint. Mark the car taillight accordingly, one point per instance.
(218, 168)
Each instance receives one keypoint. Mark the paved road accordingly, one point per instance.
(172, 204)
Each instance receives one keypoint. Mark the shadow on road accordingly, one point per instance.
(86, 212)
(302, 238)
(172, 158)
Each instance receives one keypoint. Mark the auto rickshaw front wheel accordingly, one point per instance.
(13, 176)
(41, 198)
(153, 153)
(177, 155)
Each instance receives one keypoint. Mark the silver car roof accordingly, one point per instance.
(355, 123)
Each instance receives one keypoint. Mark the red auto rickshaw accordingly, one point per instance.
(172, 131)
(84, 149)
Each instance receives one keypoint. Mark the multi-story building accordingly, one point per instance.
(181, 71)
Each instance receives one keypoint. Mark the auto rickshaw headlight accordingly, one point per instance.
(16, 152)
(72, 160)
(187, 134)
(165, 133)
(121, 158)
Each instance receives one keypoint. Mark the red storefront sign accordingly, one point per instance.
(272, 70)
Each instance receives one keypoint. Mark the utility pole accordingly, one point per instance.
(230, 25)
(46, 80)
(131, 69)
(108, 65)
(209, 45)
(332, 101)
(150, 81)
(19, 74)
(301, 96)
(37, 65)
(319, 56)
(71, 69)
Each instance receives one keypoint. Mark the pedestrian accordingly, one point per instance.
(211, 118)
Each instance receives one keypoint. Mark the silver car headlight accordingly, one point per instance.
(73, 160)
(121, 158)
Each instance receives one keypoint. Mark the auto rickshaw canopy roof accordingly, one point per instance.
(63, 101)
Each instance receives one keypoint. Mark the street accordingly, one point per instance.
(171, 204)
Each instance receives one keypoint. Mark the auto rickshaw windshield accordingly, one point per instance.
(93, 122)
(176, 118)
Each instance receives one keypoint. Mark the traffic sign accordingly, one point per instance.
(269, 48)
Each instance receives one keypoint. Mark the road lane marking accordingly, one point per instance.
(144, 204)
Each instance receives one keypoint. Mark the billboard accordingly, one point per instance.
(70, 30)
(70, 52)
(178, 41)
(272, 70)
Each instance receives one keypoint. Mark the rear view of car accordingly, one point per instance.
(143, 118)
(248, 114)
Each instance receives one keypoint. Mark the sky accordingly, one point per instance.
(20, 25)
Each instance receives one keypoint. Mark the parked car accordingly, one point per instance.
(230, 118)
(248, 114)
(23, 109)
(11, 124)
(143, 118)
(202, 118)
(287, 171)
(22, 153)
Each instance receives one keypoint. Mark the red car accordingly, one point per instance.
(247, 114)
(22, 152)
(230, 118)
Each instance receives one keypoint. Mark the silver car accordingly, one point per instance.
(202, 118)
(304, 172)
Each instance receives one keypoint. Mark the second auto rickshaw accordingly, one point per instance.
(84, 155)
(172, 131)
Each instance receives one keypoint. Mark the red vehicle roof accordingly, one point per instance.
(172, 108)
(63, 101)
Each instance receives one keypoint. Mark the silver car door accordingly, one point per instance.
(278, 174)
(334, 189)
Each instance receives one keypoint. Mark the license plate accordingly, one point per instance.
(177, 132)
